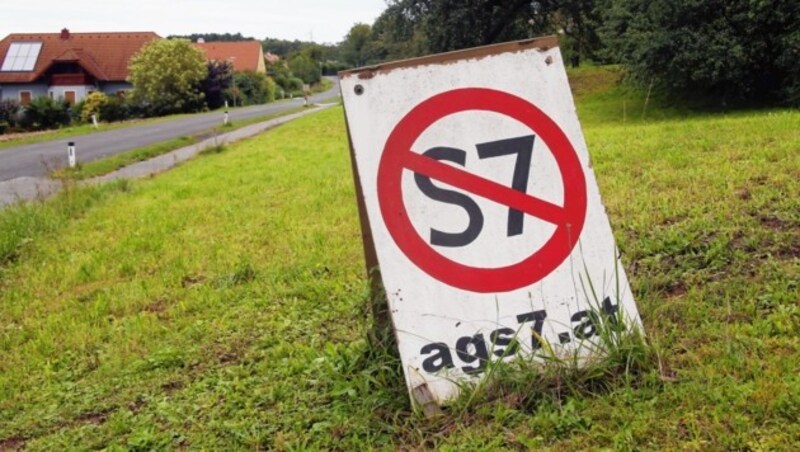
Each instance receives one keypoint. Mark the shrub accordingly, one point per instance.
(217, 81)
(295, 85)
(9, 109)
(92, 105)
(115, 108)
(75, 111)
(252, 88)
(270, 89)
(45, 113)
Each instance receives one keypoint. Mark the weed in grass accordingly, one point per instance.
(618, 356)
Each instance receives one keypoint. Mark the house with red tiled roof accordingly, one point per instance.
(67, 65)
(245, 55)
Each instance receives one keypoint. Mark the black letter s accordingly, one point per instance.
(425, 185)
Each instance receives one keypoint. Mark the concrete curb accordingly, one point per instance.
(30, 188)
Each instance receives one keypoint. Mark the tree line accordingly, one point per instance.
(725, 51)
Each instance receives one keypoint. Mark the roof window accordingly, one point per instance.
(21, 56)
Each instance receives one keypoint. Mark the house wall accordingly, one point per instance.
(80, 91)
(112, 88)
(262, 67)
(11, 91)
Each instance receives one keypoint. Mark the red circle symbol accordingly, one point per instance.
(399, 156)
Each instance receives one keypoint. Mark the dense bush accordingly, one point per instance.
(252, 88)
(294, 85)
(119, 108)
(270, 90)
(45, 113)
(92, 105)
(9, 114)
(218, 79)
(730, 51)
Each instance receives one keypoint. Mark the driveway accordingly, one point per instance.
(37, 160)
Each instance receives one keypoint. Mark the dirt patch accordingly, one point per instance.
(158, 306)
(743, 194)
(136, 405)
(13, 443)
(774, 223)
(94, 417)
(788, 253)
(676, 290)
(192, 280)
(172, 386)
(228, 358)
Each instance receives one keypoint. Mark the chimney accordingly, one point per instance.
(64, 33)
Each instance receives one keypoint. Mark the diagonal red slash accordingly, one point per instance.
(484, 187)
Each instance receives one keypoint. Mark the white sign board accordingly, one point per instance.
(485, 214)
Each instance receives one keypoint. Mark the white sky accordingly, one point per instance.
(327, 21)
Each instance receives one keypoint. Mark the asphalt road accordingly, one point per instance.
(36, 160)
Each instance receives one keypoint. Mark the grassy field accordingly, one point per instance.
(224, 305)
(114, 162)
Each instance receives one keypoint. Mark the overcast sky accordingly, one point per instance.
(326, 21)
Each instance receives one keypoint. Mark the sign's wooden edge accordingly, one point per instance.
(378, 304)
(367, 72)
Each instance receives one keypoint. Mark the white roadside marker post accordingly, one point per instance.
(225, 119)
(71, 154)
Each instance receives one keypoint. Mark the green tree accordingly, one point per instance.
(397, 33)
(723, 50)
(577, 21)
(167, 75)
(356, 49)
(458, 24)
(415, 27)
(304, 67)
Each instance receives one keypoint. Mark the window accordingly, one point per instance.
(24, 97)
(21, 56)
(69, 96)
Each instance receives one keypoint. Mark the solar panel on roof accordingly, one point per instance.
(21, 56)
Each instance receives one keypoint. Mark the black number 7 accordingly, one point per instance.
(523, 147)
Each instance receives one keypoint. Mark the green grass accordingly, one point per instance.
(112, 163)
(106, 165)
(223, 305)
